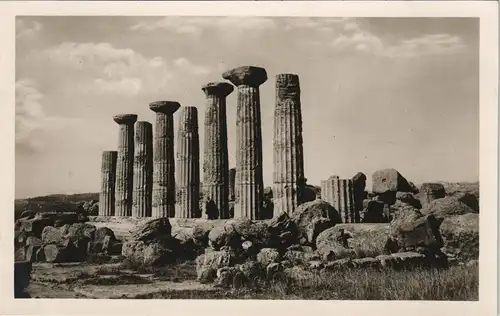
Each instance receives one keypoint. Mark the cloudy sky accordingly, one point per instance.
(376, 93)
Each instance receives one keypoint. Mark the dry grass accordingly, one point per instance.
(459, 283)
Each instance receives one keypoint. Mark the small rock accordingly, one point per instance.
(266, 256)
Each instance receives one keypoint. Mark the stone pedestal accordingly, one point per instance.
(249, 183)
(124, 164)
(163, 159)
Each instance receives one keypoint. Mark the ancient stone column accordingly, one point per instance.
(124, 164)
(359, 194)
(339, 193)
(143, 170)
(249, 183)
(164, 159)
(215, 161)
(232, 178)
(288, 176)
(188, 164)
(108, 177)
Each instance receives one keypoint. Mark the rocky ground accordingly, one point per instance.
(428, 250)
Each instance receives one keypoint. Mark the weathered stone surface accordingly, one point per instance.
(200, 233)
(154, 229)
(295, 257)
(252, 270)
(469, 199)
(33, 226)
(402, 260)
(306, 213)
(288, 157)
(124, 164)
(143, 170)
(408, 198)
(266, 256)
(359, 194)
(389, 180)
(339, 193)
(207, 264)
(164, 159)
(156, 254)
(224, 236)
(188, 164)
(108, 180)
(59, 253)
(51, 235)
(360, 238)
(430, 192)
(461, 236)
(447, 206)
(249, 183)
(217, 185)
(256, 232)
(423, 232)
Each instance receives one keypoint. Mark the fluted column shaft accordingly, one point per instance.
(163, 204)
(188, 165)
(164, 167)
(340, 194)
(249, 183)
(108, 178)
(124, 165)
(288, 175)
(215, 161)
(143, 170)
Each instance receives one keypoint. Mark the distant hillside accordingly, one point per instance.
(53, 202)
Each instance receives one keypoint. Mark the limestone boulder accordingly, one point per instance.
(403, 260)
(156, 254)
(60, 253)
(200, 233)
(258, 232)
(461, 236)
(33, 226)
(468, 199)
(310, 212)
(208, 263)
(408, 198)
(224, 236)
(430, 192)
(389, 180)
(51, 235)
(447, 206)
(266, 256)
(252, 270)
(155, 229)
(352, 240)
(422, 232)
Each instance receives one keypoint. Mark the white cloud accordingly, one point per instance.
(27, 29)
(31, 119)
(356, 36)
(226, 26)
(118, 70)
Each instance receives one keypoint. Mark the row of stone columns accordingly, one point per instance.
(140, 181)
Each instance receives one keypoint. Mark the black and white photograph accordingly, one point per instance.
(250, 157)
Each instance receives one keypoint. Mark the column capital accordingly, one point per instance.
(246, 75)
(125, 118)
(167, 107)
(220, 89)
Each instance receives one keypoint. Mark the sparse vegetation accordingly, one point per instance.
(459, 283)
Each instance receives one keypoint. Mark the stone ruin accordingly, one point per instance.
(145, 178)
